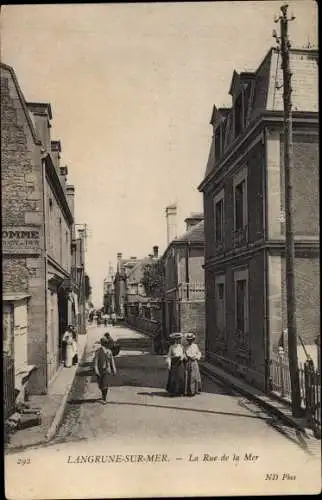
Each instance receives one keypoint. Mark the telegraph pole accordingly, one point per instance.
(285, 45)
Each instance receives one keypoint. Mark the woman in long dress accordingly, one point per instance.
(192, 356)
(175, 362)
(104, 367)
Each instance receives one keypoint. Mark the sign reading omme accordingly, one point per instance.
(20, 239)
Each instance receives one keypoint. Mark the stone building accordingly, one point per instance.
(122, 268)
(37, 223)
(183, 259)
(243, 193)
(143, 308)
(109, 292)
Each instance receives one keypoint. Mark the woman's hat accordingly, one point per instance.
(175, 335)
(190, 336)
(104, 341)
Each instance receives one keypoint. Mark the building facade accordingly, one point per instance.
(243, 194)
(37, 223)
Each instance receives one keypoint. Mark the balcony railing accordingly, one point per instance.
(240, 237)
(191, 291)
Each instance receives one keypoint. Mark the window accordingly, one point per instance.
(240, 208)
(241, 302)
(60, 242)
(220, 305)
(217, 144)
(238, 112)
(239, 205)
(219, 218)
(49, 225)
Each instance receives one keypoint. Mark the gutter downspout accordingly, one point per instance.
(187, 268)
(266, 278)
(43, 161)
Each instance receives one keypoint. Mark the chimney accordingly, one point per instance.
(70, 195)
(192, 220)
(55, 153)
(155, 251)
(119, 258)
(63, 172)
(41, 112)
(171, 215)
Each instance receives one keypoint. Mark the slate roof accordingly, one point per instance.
(195, 235)
(262, 95)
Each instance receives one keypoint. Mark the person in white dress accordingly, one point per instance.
(192, 372)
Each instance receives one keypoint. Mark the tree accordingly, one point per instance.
(88, 288)
(153, 278)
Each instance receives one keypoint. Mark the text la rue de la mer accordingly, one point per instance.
(160, 458)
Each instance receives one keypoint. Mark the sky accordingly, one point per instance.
(132, 87)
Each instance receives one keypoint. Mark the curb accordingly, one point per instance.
(61, 410)
(257, 399)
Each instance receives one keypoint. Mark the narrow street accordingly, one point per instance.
(146, 444)
(139, 407)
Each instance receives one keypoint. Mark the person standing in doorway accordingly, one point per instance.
(104, 367)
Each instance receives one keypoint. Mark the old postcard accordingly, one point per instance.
(160, 249)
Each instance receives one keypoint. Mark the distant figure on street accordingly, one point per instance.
(113, 318)
(104, 367)
(192, 372)
(113, 344)
(105, 319)
(176, 367)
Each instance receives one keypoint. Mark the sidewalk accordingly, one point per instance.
(277, 407)
(51, 405)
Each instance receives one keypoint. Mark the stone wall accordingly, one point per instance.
(22, 207)
(192, 319)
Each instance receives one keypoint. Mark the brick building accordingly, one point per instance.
(37, 224)
(183, 259)
(243, 193)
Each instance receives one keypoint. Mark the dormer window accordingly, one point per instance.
(218, 143)
(239, 115)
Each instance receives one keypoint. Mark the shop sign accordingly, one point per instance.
(20, 239)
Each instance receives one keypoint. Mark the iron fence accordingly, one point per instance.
(310, 386)
(191, 291)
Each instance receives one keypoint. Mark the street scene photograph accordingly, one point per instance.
(160, 249)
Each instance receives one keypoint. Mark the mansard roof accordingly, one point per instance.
(263, 93)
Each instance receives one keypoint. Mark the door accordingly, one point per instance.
(20, 334)
(8, 360)
(53, 334)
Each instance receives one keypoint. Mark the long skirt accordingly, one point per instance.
(103, 381)
(176, 378)
(193, 378)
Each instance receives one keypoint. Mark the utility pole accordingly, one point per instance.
(284, 47)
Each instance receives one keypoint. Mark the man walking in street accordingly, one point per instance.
(104, 367)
